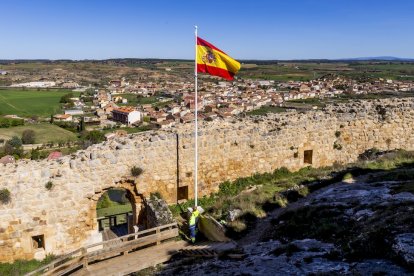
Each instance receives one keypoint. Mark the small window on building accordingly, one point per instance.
(307, 156)
(38, 241)
(182, 193)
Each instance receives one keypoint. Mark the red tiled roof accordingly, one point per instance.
(54, 155)
(125, 109)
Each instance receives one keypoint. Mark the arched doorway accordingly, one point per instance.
(119, 211)
(113, 212)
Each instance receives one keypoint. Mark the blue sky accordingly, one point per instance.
(256, 29)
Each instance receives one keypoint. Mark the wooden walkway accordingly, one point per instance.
(153, 256)
(84, 257)
(131, 253)
(134, 261)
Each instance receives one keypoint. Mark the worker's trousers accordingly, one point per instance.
(193, 230)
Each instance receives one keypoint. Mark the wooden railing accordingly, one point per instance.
(107, 249)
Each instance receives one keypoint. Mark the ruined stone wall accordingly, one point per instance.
(233, 148)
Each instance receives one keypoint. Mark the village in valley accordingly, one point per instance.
(144, 100)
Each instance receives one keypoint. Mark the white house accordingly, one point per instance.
(126, 115)
(74, 112)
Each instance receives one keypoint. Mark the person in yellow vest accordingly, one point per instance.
(193, 223)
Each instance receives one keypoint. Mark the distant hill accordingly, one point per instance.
(156, 60)
(387, 58)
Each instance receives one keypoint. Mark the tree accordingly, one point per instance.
(95, 136)
(104, 202)
(35, 154)
(51, 119)
(66, 98)
(28, 136)
(13, 147)
(15, 142)
(82, 125)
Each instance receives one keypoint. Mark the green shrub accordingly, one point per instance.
(347, 176)
(104, 201)
(15, 142)
(237, 225)
(136, 171)
(5, 196)
(66, 98)
(94, 136)
(337, 134)
(337, 146)
(49, 185)
(9, 122)
(22, 267)
(155, 195)
(28, 136)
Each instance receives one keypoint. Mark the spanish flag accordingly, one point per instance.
(214, 61)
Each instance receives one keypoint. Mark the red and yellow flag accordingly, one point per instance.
(214, 61)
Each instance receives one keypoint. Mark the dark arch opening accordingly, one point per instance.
(115, 212)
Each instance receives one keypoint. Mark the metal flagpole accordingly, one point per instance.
(196, 126)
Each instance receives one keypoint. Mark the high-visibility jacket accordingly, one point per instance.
(194, 218)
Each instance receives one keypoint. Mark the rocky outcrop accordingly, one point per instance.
(157, 212)
(359, 228)
(300, 257)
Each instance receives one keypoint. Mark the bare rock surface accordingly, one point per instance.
(360, 228)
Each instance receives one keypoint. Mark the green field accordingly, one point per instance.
(116, 209)
(302, 71)
(267, 109)
(30, 102)
(44, 133)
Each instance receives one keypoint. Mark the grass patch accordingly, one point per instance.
(390, 160)
(264, 195)
(267, 109)
(112, 210)
(116, 209)
(44, 133)
(133, 99)
(30, 102)
(310, 101)
(22, 267)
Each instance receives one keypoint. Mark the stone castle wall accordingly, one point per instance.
(66, 214)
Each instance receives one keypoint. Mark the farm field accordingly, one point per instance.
(27, 103)
(44, 133)
(303, 71)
